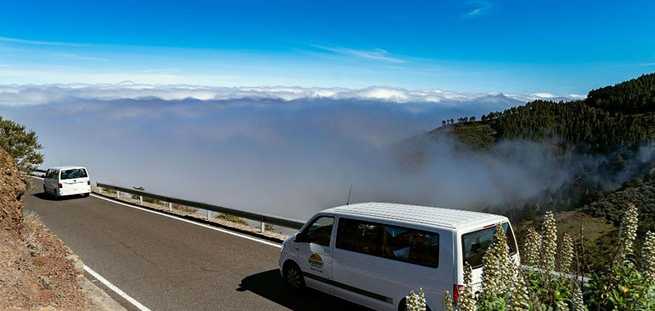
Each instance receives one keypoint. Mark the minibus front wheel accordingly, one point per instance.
(293, 276)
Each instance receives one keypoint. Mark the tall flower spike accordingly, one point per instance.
(561, 305)
(466, 296)
(520, 300)
(577, 302)
(532, 248)
(549, 243)
(497, 271)
(447, 301)
(648, 257)
(628, 232)
(416, 301)
(565, 254)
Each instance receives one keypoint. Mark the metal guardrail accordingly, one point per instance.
(262, 218)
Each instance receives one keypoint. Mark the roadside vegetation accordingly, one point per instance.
(21, 144)
(549, 277)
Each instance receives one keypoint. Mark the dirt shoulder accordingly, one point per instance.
(37, 271)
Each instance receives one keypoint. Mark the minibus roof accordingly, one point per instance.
(423, 215)
(63, 168)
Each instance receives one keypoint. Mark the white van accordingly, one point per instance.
(65, 181)
(374, 254)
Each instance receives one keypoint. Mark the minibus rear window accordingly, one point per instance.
(73, 173)
(475, 244)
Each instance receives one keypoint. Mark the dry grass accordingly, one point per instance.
(184, 208)
(232, 218)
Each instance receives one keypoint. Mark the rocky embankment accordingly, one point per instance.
(37, 271)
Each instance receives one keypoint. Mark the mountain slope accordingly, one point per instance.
(619, 117)
(604, 140)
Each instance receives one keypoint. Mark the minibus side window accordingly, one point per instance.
(359, 236)
(388, 241)
(411, 245)
(319, 232)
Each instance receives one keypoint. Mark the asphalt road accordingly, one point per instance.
(167, 264)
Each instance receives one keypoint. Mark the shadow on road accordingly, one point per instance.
(269, 285)
(47, 197)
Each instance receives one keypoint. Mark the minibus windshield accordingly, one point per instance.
(475, 244)
(74, 173)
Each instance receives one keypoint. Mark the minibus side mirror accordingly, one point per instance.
(301, 238)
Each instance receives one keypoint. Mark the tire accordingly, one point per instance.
(85, 195)
(402, 306)
(293, 277)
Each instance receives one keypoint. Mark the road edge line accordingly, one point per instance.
(243, 236)
(115, 289)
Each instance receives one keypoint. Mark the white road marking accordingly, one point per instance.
(244, 236)
(115, 289)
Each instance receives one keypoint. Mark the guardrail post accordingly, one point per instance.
(118, 194)
(140, 200)
(170, 206)
(208, 211)
(262, 226)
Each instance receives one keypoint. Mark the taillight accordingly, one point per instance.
(456, 289)
(61, 186)
(88, 183)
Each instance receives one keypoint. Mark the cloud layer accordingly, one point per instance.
(281, 150)
(41, 94)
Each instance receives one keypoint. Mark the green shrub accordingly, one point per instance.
(21, 143)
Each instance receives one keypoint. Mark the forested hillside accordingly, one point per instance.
(605, 140)
(613, 118)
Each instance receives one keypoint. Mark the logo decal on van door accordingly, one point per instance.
(315, 261)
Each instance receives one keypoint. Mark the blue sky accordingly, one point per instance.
(562, 47)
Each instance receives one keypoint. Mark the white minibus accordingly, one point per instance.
(374, 254)
(66, 181)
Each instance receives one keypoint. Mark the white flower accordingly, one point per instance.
(549, 243)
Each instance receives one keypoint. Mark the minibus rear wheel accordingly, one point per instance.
(293, 276)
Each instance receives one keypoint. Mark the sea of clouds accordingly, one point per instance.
(288, 151)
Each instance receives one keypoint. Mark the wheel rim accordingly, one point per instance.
(294, 278)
